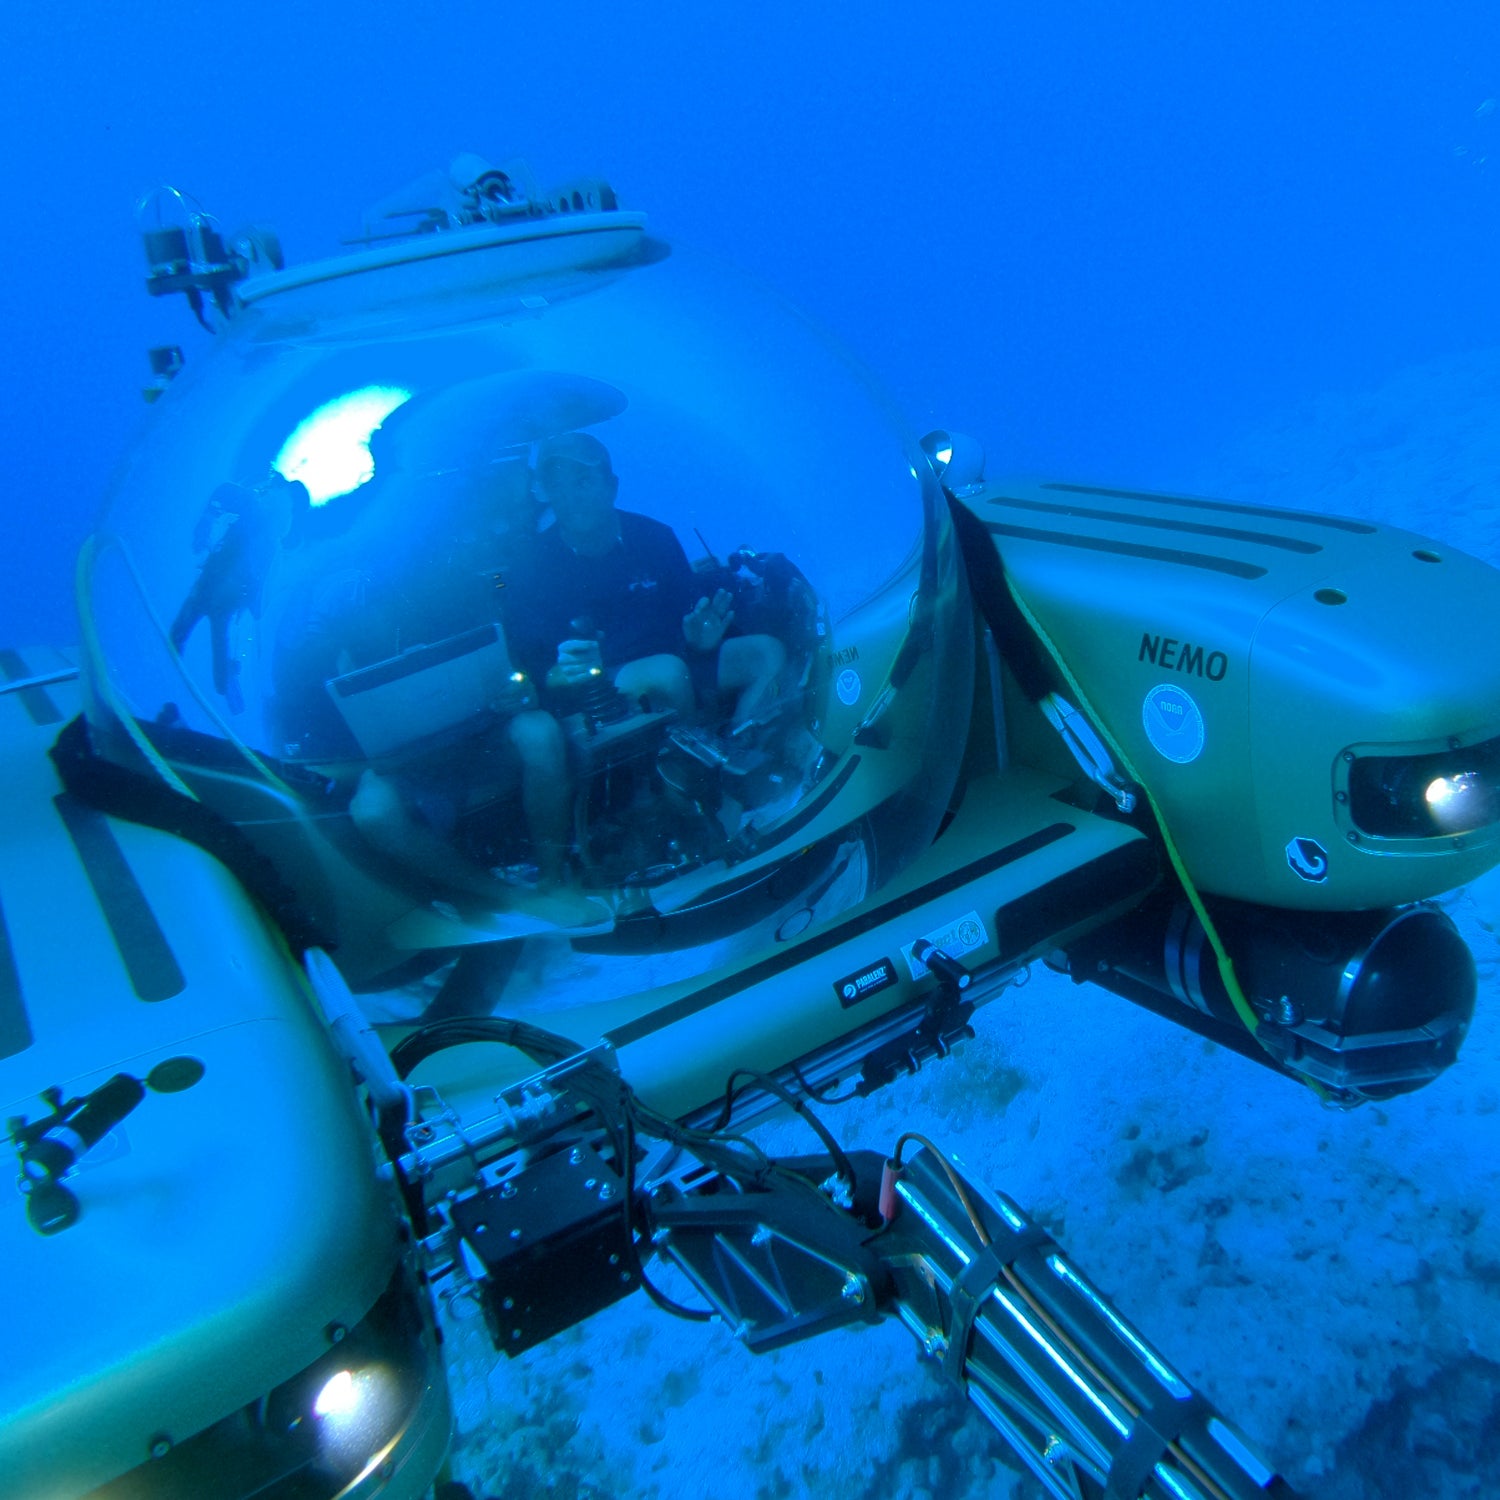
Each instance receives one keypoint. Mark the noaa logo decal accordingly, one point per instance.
(868, 981)
(1309, 859)
(1173, 723)
(848, 687)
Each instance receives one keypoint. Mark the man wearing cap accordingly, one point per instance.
(611, 589)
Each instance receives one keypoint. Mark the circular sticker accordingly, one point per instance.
(1173, 723)
(848, 687)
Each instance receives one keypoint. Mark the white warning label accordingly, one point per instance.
(958, 937)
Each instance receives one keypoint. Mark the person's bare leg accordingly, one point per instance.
(749, 665)
(381, 817)
(664, 682)
(546, 793)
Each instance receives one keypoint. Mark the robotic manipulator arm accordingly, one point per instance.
(545, 1212)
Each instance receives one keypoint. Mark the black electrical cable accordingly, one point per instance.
(654, 1292)
(842, 1165)
(823, 1096)
(542, 1046)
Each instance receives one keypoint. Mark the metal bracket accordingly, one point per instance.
(1085, 746)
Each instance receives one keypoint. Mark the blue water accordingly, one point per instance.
(1108, 239)
(1102, 237)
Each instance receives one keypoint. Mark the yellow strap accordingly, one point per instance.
(99, 678)
(1237, 998)
(93, 547)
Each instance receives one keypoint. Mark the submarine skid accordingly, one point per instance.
(1362, 1005)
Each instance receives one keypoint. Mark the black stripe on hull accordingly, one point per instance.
(35, 700)
(143, 946)
(1163, 523)
(1229, 507)
(842, 932)
(1204, 560)
(15, 1024)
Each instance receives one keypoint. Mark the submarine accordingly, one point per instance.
(536, 710)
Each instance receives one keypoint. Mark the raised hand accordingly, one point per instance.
(704, 625)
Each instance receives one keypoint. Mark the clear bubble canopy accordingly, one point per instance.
(586, 593)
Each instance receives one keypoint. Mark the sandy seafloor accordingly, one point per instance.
(1331, 1280)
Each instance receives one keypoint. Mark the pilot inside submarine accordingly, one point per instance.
(603, 654)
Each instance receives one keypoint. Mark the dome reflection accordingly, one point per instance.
(630, 617)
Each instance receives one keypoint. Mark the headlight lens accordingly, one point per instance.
(317, 1435)
(1438, 795)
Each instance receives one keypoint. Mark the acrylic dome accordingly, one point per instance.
(527, 576)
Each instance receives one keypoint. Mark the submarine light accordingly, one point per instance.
(1452, 799)
(339, 1397)
(358, 1413)
(329, 451)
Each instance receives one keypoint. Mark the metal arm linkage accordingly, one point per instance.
(1085, 1402)
(544, 1212)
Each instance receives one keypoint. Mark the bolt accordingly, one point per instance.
(591, 1183)
(1284, 1012)
(421, 1132)
(662, 1236)
(508, 1303)
(1348, 757)
(625, 1278)
(1352, 836)
(614, 1260)
(1341, 797)
(576, 1155)
(853, 1290)
(515, 1234)
(606, 1193)
(762, 1235)
(161, 1445)
(515, 1335)
(507, 1189)
(335, 1333)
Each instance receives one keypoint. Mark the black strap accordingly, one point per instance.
(969, 1291)
(123, 793)
(987, 582)
(978, 1279)
(1154, 1430)
(1151, 1436)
